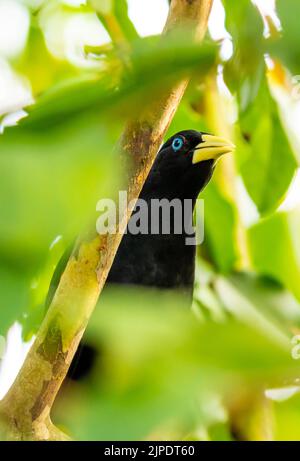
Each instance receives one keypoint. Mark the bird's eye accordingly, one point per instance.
(177, 144)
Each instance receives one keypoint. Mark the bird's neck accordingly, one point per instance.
(176, 190)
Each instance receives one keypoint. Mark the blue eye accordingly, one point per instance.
(177, 144)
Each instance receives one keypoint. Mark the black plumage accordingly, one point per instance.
(164, 260)
(182, 168)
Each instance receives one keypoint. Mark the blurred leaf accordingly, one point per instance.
(287, 419)
(114, 16)
(265, 159)
(286, 48)
(186, 117)
(160, 372)
(14, 295)
(220, 432)
(35, 309)
(264, 155)
(153, 68)
(257, 307)
(39, 65)
(274, 245)
(55, 167)
(157, 365)
(121, 13)
(269, 298)
(220, 219)
(102, 6)
(256, 301)
(52, 180)
(244, 71)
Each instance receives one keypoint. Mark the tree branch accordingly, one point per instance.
(25, 410)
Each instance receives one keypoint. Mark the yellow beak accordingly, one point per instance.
(212, 148)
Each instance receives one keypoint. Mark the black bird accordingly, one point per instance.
(182, 168)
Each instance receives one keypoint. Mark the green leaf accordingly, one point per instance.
(265, 158)
(14, 295)
(102, 6)
(257, 305)
(220, 224)
(114, 16)
(39, 65)
(269, 298)
(59, 161)
(155, 361)
(256, 301)
(121, 13)
(52, 180)
(36, 307)
(274, 246)
(286, 47)
(174, 57)
(264, 155)
(244, 71)
(287, 419)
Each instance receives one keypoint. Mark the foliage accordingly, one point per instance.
(163, 372)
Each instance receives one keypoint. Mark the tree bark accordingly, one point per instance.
(25, 410)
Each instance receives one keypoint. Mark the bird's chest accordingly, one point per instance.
(162, 261)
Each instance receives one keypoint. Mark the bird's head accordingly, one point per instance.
(187, 159)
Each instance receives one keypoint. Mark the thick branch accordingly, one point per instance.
(25, 410)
